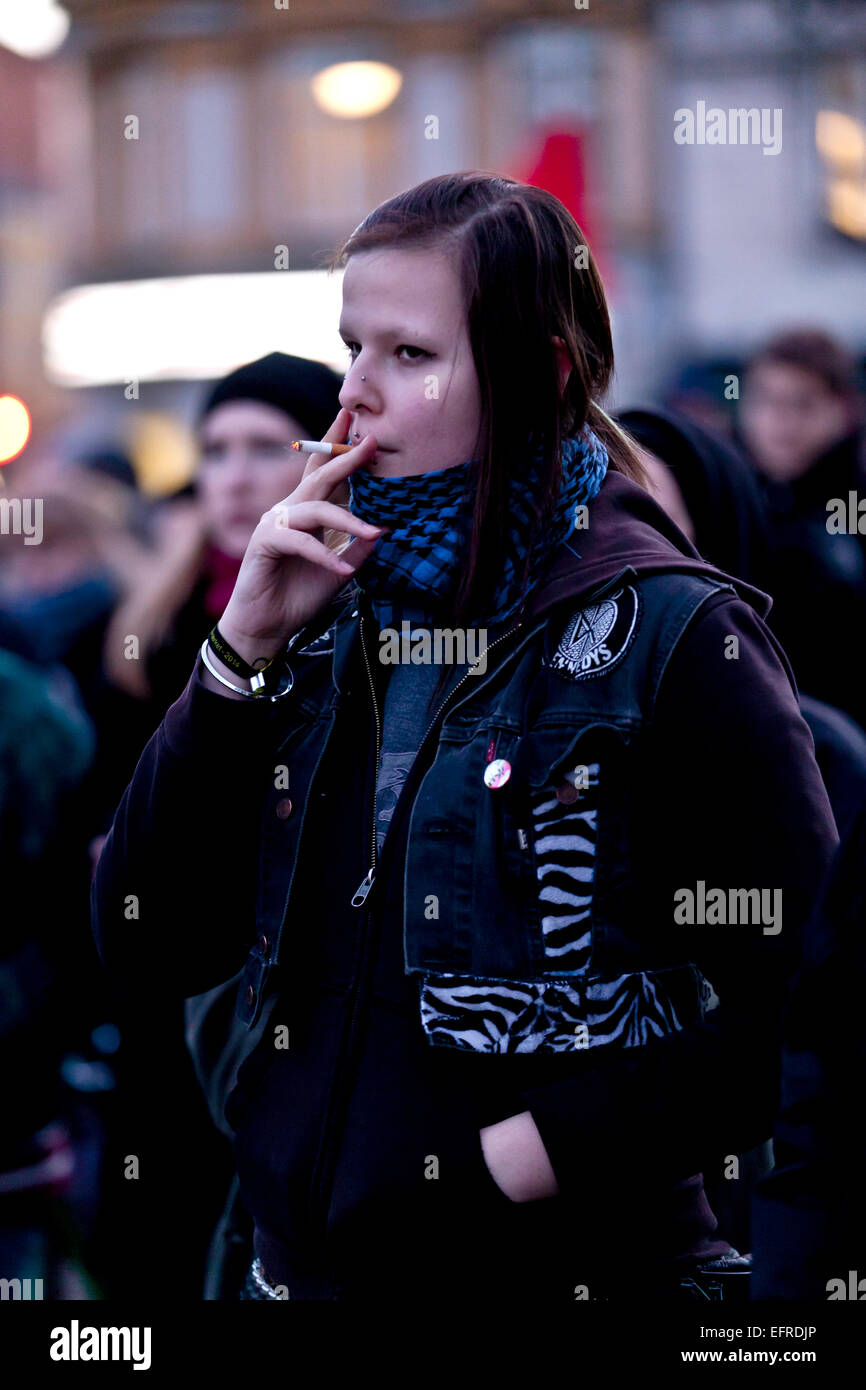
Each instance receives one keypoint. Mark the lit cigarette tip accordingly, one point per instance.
(316, 446)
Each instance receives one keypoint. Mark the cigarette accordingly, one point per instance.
(316, 446)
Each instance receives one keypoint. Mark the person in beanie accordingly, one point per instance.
(453, 801)
(244, 428)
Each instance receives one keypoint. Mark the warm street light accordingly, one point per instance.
(32, 28)
(351, 90)
(14, 427)
(841, 141)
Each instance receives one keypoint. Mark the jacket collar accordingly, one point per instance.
(628, 534)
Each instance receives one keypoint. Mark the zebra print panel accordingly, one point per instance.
(565, 839)
(484, 1015)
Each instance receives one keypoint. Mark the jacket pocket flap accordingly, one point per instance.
(548, 751)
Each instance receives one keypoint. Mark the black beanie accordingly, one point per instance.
(306, 390)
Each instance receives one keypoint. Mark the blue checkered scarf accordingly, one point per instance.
(415, 568)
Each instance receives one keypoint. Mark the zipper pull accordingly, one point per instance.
(523, 839)
(363, 889)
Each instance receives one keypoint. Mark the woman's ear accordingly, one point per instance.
(563, 362)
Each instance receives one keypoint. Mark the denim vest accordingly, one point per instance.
(518, 923)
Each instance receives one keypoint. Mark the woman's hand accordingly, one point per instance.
(517, 1159)
(288, 573)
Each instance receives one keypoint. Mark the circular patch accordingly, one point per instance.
(597, 638)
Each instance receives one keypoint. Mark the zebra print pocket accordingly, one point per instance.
(485, 1015)
(565, 831)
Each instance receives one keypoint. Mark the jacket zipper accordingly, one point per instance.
(360, 895)
(324, 1176)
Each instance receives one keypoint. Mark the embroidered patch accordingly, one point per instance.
(597, 638)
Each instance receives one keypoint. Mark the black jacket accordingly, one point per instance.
(809, 1217)
(819, 584)
(358, 1144)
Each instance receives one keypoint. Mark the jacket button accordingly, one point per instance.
(263, 944)
(284, 808)
(567, 793)
(251, 996)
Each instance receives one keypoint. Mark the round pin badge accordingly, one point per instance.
(497, 773)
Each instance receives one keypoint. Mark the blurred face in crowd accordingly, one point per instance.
(67, 553)
(789, 418)
(404, 324)
(246, 467)
(668, 492)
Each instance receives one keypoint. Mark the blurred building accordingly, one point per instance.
(38, 106)
(191, 143)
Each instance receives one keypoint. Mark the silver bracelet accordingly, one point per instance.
(261, 1282)
(252, 694)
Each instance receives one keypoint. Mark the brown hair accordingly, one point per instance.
(816, 352)
(527, 274)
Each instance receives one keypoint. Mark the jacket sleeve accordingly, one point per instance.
(728, 792)
(174, 892)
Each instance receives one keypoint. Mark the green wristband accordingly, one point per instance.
(229, 657)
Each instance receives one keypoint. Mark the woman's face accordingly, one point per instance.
(246, 467)
(405, 326)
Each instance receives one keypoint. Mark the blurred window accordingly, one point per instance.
(213, 115)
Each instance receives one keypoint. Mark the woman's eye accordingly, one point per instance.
(353, 350)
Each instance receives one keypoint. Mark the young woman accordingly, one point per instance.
(504, 1034)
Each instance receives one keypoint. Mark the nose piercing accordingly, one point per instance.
(363, 378)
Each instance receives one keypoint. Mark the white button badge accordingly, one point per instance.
(497, 773)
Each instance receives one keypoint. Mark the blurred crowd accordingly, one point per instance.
(99, 629)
